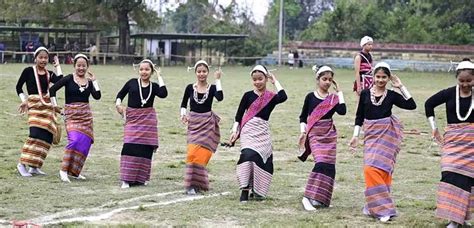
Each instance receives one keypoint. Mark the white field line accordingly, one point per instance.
(118, 210)
(72, 212)
(139, 198)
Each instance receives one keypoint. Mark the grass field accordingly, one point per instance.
(46, 200)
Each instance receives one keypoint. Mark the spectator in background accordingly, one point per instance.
(2, 49)
(67, 48)
(29, 48)
(51, 49)
(301, 62)
(363, 66)
(296, 56)
(75, 47)
(93, 53)
(291, 59)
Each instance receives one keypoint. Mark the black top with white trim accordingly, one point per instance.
(73, 92)
(311, 101)
(134, 99)
(249, 97)
(367, 110)
(28, 77)
(448, 96)
(204, 107)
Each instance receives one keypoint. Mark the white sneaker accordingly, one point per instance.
(125, 185)
(316, 203)
(80, 177)
(385, 218)
(146, 183)
(63, 176)
(191, 192)
(22, 170)
(307, 204)
(36, 171)
(452, 225)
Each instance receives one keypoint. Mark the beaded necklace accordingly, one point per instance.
(458, 112)
(141, 93)
(372, 97)
(195, 94)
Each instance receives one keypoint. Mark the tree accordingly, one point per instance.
(99, 14)
(298, 15)
(406, 21)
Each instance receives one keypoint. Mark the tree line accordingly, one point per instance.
(399, 21)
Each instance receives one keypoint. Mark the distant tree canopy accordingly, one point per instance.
(100, 14)
(409, 21)
(401, 21)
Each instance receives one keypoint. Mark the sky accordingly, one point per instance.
(259, 7)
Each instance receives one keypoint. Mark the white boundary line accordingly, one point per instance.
(71, 212)
(118, 210)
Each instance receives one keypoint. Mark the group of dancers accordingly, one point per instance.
(382, 131)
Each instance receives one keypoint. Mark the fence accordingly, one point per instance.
(337, 62)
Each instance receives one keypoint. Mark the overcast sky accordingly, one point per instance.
(259, 8)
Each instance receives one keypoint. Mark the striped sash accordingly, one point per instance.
(141, 126)
(255, 135)
(257, 106)
(458, 149)
(318, 112)
(79, 118)
(203, 129)
(382, 142)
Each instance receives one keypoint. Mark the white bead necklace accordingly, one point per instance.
(82, 88)
(141, 93)
(195, 94)
(458, 112)
(317, 95)
(372, 97)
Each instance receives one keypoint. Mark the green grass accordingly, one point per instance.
(414, 184)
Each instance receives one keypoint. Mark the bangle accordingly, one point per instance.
(96, 85)
(405, 92)
(22, 97)
(341, 97)
(160, 81)
(183, 111)
(235, 127)
(303, 127)
(218, 85)
(278, 86)
(356, 131)
(432, 122)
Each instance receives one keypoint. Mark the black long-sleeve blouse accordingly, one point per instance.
(28, 77)
(134, 100)
(207, 105)
(311, 101)
(72, 92)
(367, 110)
(249, 97)
(448, 96)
